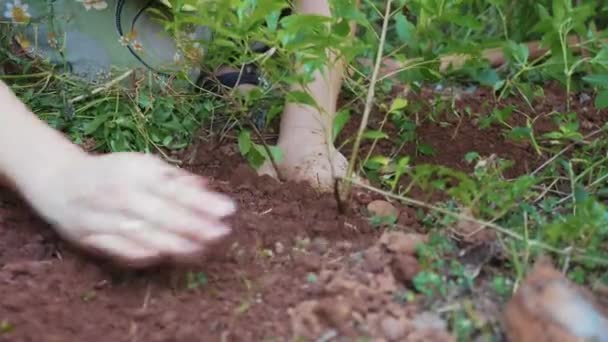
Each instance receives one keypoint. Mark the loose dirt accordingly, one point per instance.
(294, 265)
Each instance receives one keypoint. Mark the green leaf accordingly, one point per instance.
(553, 135)
(144, 101)
(426, 149)
(167, 141)
(487, 77)
(471, 156)
(340, 121)
(601, 100)
(598, 80)
(92, 126)
(276, 152)
(406, 31)
(398, 104)
(256, 158)
(244, 141)
(601, 57)
(301, 97)
(518, 53)
(372, 134)
(465, 21)
(376, 162)
(520, 133)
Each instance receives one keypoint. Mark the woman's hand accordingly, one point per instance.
(131, 207)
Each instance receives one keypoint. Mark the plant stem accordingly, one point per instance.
(505, 231)
(369, 101)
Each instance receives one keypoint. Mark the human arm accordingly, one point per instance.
(131, 207)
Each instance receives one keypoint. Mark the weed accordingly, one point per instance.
(196, 280)
(6, 327)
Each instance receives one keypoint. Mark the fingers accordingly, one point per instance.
(120, 249)
(191, 192)
(146, 231)
(156, 212)
(165, 243)
(167, 215)
(184, 188)
(140, 247)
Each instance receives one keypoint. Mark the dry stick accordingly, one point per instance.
(564, 150)
(103, 87)
(484, 224)
(369, 101)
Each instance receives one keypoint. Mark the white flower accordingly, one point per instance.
(177, 57)
(17, 11)
(94, 4)
(130, 40)
(137, 46)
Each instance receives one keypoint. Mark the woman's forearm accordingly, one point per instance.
(28, 146)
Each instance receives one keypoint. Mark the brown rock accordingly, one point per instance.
(548, 307)
(382, 208)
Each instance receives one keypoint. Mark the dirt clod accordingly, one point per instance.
(309, 261)
(393, 329)
(367, 287)
(383, 209)
(402, 243)
(405, 267)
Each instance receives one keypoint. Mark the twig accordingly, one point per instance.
(564, 150)
(370, 99)
(103, 87)
(564, 252)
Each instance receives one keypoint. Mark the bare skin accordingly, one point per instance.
(316, 161)
(130, 207)
(136, 209)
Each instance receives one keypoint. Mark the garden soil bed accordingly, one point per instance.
(293, 264)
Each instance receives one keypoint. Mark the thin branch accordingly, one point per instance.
(370, 99)
(484, 224)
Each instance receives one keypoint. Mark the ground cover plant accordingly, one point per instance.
(483, 137)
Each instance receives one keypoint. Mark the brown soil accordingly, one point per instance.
(453, 133)
(269, 280)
